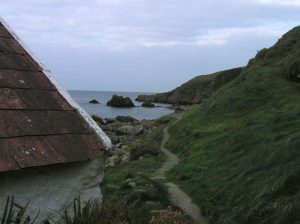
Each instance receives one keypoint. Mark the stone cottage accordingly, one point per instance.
(51, 151)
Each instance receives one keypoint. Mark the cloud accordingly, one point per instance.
(115, 25)
(217, 37)
(279, 2)
(143, 36)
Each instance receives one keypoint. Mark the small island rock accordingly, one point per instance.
(148, 104)
(94, 101)
(120, 101)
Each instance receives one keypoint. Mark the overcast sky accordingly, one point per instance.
(146, 45)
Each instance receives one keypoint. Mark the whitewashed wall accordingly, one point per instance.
(52, 189)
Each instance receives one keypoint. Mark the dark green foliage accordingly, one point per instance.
(240, 149)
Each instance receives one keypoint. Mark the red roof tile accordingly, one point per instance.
(24, 80)
(38, 126)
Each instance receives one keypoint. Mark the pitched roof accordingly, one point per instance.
(39, 123)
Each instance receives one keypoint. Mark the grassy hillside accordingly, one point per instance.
(240, 149)
(196, 90)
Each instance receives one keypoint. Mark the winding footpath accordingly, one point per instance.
(176, 195)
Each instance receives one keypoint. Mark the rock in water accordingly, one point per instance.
(120, 101)
(94, 101)
(148, 104)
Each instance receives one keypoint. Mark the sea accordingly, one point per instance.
(138, 112)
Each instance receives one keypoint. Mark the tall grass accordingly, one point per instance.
(92, 212)
(15, 214)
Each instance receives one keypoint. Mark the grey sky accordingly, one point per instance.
(146, 45)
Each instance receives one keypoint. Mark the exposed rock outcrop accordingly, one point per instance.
(148, 104)
(194, 91)
(94, 101)
(120, 101)
(126, 119)
(98, 119)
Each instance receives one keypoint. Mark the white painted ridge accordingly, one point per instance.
(104, 138)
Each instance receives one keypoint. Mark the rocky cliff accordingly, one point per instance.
(194, 91)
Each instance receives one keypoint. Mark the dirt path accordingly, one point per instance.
(177, 196)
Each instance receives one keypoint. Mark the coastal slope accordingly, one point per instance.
(194, 91)
(239, 150)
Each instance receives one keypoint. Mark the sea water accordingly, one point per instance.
(138, 112)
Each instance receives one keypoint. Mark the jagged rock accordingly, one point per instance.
(98, 119)
(94, 101)
(129, 130)
(120, 101)
(113, 137)
(110, 120)
(126, 119)
(148, 104)
(110, 161)
(143, 130)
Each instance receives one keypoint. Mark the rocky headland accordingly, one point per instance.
(194, 91)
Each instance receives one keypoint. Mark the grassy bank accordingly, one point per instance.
(240, 149)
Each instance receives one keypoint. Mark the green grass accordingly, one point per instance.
(240, 149)
(131, 183)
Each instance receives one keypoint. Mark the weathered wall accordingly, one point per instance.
(52, 189)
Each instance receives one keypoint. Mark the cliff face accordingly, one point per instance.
(194, 91)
